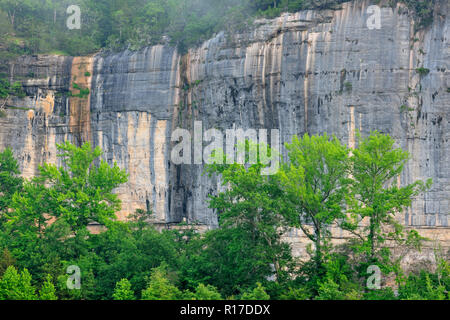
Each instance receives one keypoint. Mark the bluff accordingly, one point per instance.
(313, 71)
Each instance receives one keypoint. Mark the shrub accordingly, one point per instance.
(424, 286)
(160, 287)
(47, 291)
(258, 293)
(207, 293)
(123, 291)
(16, 286)
(423, 71)
(348, 86)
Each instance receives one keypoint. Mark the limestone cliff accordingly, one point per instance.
(312, 71)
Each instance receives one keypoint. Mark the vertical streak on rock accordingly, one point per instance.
(42, 149)
(139, 149)
(413, 144)
(80, 115)
(175, 81)
(184, 92)
(360, 122)
(159, 163)
(252, 70)
(309, 71)
(277, 71)
(351, 129)
(30, 163)
(351, 132)
(47, 105)
(50, 150)
(263, 84)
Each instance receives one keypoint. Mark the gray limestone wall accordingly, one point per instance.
(312, 71)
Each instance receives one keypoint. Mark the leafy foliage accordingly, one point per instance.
(258, 293)
(160, 287)
(7, 89)
(16, 286)
(423, 287)
(34, 26)
(123, 291)
(10, 181)
(45, 226)
(48, 291)
(423, 10)
(248, 246)
(376, 198)
(83, 193)
(315, 181)
(208, 292)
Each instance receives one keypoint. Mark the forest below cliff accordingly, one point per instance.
(48, 251)
(36, 26)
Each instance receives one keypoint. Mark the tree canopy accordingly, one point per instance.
(45, 230)
(35, 26)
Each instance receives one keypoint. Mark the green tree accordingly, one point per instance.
(10, 181)
(376, 198)
(225, 258)
(258, 293)
(160, 287)
(248, 247)
(15, 8)
(16, 286)
(17, 90)
(49, 218)
(25, 234)
(5, 26)
(207, 292)
(131, 250)
(48, 291)
(82, 193)
(293, 293)
(339, 281)
(123, 291)
(329, 290)
(21, 217)
(315, 180)
(4, 88)
(88, 283)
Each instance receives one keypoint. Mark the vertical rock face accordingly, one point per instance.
(79, 103)
(326, 71)
(32, 126)
(133, 99)
(313, 71)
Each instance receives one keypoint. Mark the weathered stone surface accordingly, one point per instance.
(325, 71)
(132, 104)
(32, 126)
(313, 71)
